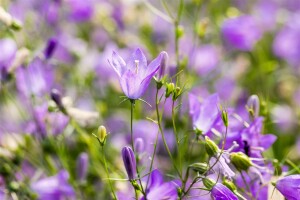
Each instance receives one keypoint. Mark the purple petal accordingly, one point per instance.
(118, 64)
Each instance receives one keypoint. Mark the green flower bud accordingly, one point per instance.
(211, 148)
(241, 161)
(102, 134)
(135, 185)
(170, 89)
(201, 168)
(179, 31)
(230, 185)
(176, 93)
(225, 118)
(208, 183)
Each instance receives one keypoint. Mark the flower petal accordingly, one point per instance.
(118, 64)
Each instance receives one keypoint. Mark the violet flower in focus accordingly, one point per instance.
(129, 162)
(289, 187)
(241, 33)
(135, 75)
(55, 187)
(221, 192)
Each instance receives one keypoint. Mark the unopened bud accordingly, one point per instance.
(102, 134)
(211, 148)
(129, 162)
(208, 183)
(170, 88)
(230, 185)
(253, 106)
(241, 161)
(163, 66)
(82, 166)
(179, 31)
(176, 93)
(201, 168)
(225, 118)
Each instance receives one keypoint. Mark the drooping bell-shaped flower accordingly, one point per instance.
(289, 187)
(218, 190)
(129, 162)
(135, 75)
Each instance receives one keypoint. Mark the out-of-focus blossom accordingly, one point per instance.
(55, 187)
(253, 105)
(158, 189)
(287, 42)
(35, 79)
(80, 11)
(82, 166)
(241, 33)
(284, 117)
(289, 187)
(50, 48)
(163, 69)
(135, 75)
(8, 49)
(129, 162)
(205, 59)
(139, 145)
(205, 114)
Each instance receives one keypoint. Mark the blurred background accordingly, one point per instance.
(234, 48)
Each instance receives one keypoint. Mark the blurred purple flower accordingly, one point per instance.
(35, 79)
(80, 11)
(241, 33)
(135, 75)
(129, 162)
(8, 49)
(205, 59)
(50, 48)
(287, 42)
(158, 189)
(289, 187)
(163, 69)
(221, 192)
(82, 166)
(54, 188)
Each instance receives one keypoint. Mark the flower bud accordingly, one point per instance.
(179, 31)
(253, 106)
(211, 148)
(129, 162)
(82, 166)
(50, 48)
(201, 168)
(163, 66)
(170, 88)
(139, 145)
(208, 183)
(56, 97)
(230, 185)
(176, 93)
(102, 134)
(225, 118)
(241, 161)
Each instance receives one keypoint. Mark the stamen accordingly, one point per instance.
(136, 65)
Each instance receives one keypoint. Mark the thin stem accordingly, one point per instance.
(106, 170)
(164, 141)
(176, 135)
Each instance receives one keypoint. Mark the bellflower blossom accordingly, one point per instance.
(129, 162)
(205, 114)
(158, 189)
(55, 187)
(289, 187)
(220, 191)
(241, 33)
(135, 75)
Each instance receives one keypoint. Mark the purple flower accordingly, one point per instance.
(82, 166)
(289, 187)
(129, 162)
(158, 189)
(135, 75)
(36, 79)
(163, 69)
(253, 105)
(241, 33)
(206, 114)
(221, 192)
(8, 49)
(50, 48)
(205, 59)
(80, 11)
(287, 42)
(55, 187)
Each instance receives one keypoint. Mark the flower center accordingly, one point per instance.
(136, 66)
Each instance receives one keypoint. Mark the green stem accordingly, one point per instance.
(176, 135)
(106, 170)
